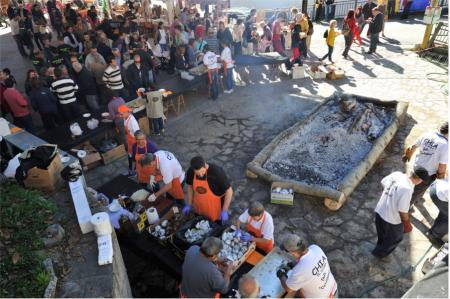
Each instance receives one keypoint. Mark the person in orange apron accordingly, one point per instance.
(201, 271)
(310, 275)
(172, 174)
(143, 146)
(259, 226)
(208, 185)
(131, 126)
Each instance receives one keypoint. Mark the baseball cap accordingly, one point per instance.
(292, 243)
(421, 173)
(123, 108)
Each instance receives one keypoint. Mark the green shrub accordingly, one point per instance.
(24, 214)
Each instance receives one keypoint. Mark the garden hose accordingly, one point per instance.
(402, 273)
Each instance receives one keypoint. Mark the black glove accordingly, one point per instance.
(281, 273)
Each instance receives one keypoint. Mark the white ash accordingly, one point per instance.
(197, 233)
(233, 248)
(335, 141)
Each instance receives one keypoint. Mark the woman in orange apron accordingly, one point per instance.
(140, 148)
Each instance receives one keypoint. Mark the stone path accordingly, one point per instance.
(232, 130)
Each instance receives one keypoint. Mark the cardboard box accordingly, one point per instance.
(92, 159)
(114, 154)
(45, 179)
(298, 72)
(283, 199)
(320, 73)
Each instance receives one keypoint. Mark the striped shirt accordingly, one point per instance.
(64, 89)
(113, 78)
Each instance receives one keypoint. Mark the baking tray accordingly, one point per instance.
(266, 273)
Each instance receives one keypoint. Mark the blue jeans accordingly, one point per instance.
(237, 48)
(374, 41)
(229, 78)
(158, 125)
(328, 12)
(214, 86)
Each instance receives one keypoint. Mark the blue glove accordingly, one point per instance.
(238, 233)
(186, 209)
(246, 237)
(224, 216)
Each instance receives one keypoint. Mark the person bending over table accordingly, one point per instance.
(259, 224)
(171, 171)
(201, 273)
(143, 146)
(310, 276)
(131, 126)
(207, 185)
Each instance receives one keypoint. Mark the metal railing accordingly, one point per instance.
(340, 9)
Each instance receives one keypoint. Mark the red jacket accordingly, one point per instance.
(352, 24)
(16, 102)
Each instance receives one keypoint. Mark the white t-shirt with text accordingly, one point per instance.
(266, 229)
(210, 60)
(312, 274)
(169, 167)
(396, 197)
(432, 151)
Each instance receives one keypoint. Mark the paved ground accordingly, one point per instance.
(232, 130)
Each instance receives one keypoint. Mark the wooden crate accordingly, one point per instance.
(168, 216)
(237, 264)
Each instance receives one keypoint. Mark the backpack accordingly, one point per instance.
(345, 28)
(325, 34)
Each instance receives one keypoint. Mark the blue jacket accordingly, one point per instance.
(43, 100)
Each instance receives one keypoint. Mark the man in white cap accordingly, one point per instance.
(311, 275)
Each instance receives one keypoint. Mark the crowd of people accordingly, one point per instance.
(83, 57)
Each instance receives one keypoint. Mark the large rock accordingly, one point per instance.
(54, 235)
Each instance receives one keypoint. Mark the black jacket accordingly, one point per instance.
(86, 82)
(377, 24)
(367, 10)
(137, 78)
(43, 100)
(104, 50)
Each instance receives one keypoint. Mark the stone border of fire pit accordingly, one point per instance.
(334, 198)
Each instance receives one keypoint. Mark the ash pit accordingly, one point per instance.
(332, 143)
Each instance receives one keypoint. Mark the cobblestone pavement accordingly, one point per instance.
(232, 130)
